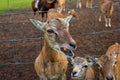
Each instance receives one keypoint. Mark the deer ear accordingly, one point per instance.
(115, 54)
(91, 60)
(68, 18)
(38, 24)
(98, 62)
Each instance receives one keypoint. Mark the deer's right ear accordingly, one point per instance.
(38, 24)
(68, 18)
(98, 61)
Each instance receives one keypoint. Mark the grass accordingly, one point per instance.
(6, 5)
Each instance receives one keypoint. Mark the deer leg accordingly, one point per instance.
(39, 15)
(59, 9)
(90, 4)
(87, 5)
(106, 21)
(43, 16)
(46, 16)
(100, 18)
(77, 4)
(109, 19)
(64, 6)
(80, 4)
(35, 16)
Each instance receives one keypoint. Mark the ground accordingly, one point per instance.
(20, 41)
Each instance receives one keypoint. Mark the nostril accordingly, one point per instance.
(109, 78)
(74, 73)
(73, 45)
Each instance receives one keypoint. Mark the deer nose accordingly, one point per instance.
(109, 78)
(74, 73)
(73, 45)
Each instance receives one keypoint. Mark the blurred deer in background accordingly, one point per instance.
(61, 5)
(53, 13)
(88, 3)
(107, 8)
(42, 6)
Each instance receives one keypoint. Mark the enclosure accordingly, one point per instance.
(21, 42)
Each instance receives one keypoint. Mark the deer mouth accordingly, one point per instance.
(67, 52)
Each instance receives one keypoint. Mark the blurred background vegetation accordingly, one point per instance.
(6, 5)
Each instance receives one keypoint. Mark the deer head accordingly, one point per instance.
(56, 33)
(107, 66)
(80, 65)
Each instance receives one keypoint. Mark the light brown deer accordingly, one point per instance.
(51, 63)
(107, 8)
(61, 5)
(83, 69)
(109, 63)
(88, 3)
(53, 13)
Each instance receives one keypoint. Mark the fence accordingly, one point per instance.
(20, 42)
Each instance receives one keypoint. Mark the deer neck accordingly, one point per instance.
(89, 74)
(48, 51)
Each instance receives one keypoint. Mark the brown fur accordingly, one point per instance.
(61, 5)
(53, 13)
(111, 49)
(90, 74)
(87, 73)
(107, 8)
(43, 6)
(108, 70)
(51, 63)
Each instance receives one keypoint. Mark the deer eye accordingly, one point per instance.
(50, 31)
(114, 63)
(85, 66)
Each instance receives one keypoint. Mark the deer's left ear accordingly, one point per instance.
(38, 24)
(68, 18)
(115, 54)
(116, 50)
(91, 60)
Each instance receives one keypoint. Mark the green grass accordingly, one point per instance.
(6, 5)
